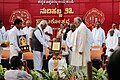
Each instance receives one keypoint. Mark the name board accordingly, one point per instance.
(56, 11)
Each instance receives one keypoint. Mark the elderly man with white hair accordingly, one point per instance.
(38, 42)
(81, 46)
(27, 30)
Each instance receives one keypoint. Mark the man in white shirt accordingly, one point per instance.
(27, 30)
(2, 31)
(98, 35)
(14, 33)
(48, 32)
(69, 40)
(38, 42)
(111, 42)
(6, 34)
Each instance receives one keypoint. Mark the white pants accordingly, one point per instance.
(13, 51)
(69, 56)
(0, 54)
(38, 60)
(79, 68)
(0, 58)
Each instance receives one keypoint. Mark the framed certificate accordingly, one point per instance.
(56, 46)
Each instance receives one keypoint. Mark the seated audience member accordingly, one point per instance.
(15, 73)
(113, 66)
(58, 61)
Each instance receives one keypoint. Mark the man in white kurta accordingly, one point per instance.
(48, 32)
(14, 32)
(80, 54)
(98, 35)
(111, 42)
(27, 30)
(69, 40)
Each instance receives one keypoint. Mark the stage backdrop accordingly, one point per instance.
(61, 11)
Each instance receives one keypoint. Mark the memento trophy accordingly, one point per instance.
(22, 43)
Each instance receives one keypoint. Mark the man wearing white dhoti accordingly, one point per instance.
(98, 35)
(80, 54)
(69, 40)
(14, 32)
(48, 33)
(90, 40)
(111, 42)
(38, 42)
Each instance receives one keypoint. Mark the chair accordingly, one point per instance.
(95, 55)
(5, 58)
(27, 55)
(5, 54)
(96, 52)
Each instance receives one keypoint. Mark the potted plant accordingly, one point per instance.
(2, 71)
(99, 74)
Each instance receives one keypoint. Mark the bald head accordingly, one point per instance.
(42, 24)
(28, 23)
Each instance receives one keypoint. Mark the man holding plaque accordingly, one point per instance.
(81, 49)
(38, 42)
(14, 33)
